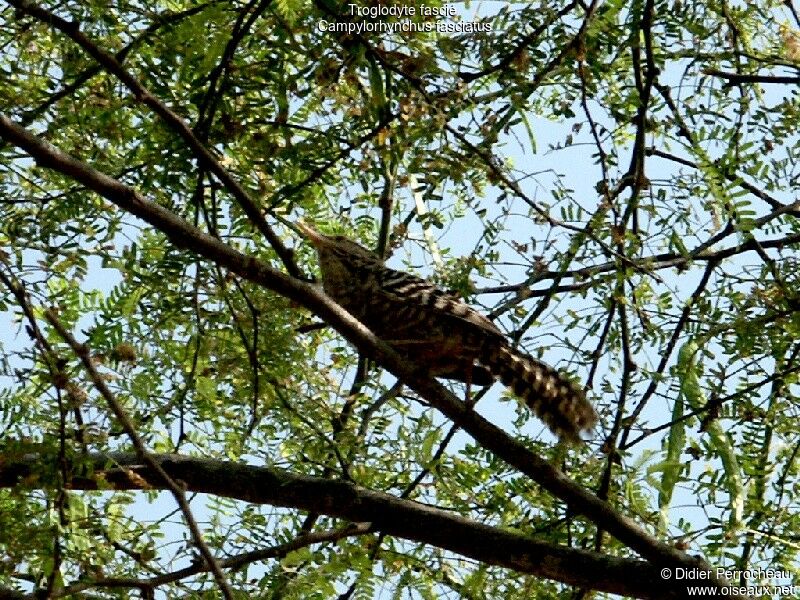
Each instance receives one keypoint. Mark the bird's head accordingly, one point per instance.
(333, 244)
(340, 259)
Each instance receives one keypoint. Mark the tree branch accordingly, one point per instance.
(491, 437)
(178, 125)
(82, 352)
(390, 515)
(235, 562)
(734, 78)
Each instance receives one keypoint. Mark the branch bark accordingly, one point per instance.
(387, 514)
(734, 78)
(491, 437)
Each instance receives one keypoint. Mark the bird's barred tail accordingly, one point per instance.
(558, 402)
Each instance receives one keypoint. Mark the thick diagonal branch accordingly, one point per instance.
(491, 437)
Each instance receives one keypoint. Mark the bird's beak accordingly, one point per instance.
(313, 236)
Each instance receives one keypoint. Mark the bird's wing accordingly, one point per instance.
(398, 286)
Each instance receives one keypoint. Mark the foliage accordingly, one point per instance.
(611, 182)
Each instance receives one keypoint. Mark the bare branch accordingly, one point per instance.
(734, 78)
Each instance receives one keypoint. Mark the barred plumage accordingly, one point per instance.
(442, 333)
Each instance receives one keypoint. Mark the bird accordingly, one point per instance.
(440, 332)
